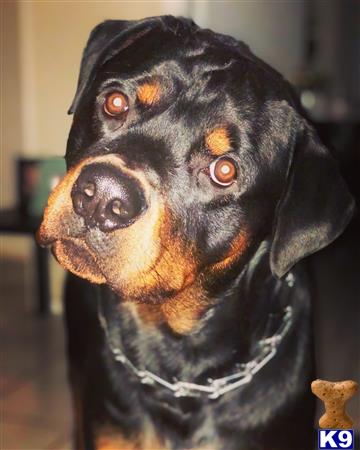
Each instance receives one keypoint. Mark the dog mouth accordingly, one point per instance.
(75, 256)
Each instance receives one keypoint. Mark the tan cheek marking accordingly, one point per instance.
(237, 248)
(169, 264)
(218, 141)
(136, 250)
(149, 93)
(174, 268)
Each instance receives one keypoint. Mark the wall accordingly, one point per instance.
(11, 101)
(272, 29)
(338, 40)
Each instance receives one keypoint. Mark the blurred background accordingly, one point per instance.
(314, 43)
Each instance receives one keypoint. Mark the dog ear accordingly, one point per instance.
(105, 41)
(315, 207)
(112, 36)
(100, 38)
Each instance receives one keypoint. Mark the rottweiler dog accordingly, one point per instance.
(194, 185)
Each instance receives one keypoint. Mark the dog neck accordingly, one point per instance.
(226, 334)
(186, 312)
(182, 313)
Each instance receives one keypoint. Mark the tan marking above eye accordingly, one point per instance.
(218, 141)
(149, 93)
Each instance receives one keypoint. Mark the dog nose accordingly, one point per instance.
(106, 197)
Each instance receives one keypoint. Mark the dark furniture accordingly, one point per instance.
(14, 222)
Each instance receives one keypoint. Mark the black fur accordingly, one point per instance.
(289, 197)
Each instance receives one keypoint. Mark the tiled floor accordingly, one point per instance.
(35, 401)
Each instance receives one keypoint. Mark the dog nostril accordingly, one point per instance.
(122, 210)
(89, 189)
(116, 207)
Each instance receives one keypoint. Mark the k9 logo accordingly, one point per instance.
(336, 439)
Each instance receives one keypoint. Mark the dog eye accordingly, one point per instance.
(223, 171)
(115, 104)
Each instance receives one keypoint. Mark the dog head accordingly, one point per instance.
(185, 152)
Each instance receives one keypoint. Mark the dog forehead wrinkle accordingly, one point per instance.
(172, 139)
(138, 61)
(146, 148)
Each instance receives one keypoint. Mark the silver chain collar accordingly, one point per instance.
(214, 388)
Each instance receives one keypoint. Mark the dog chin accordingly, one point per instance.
(76, 257)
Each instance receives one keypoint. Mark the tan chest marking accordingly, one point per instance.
(109, 438)
(181, 312)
